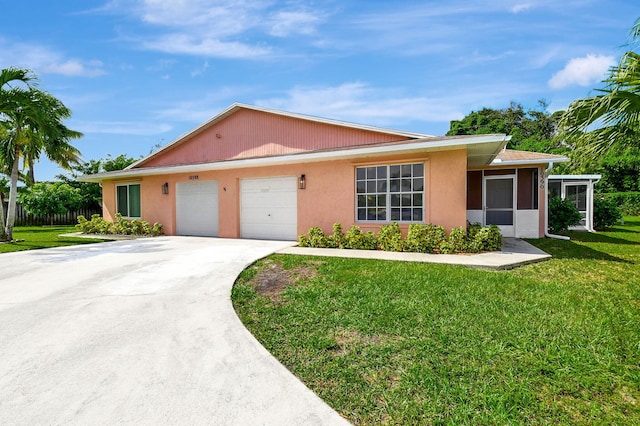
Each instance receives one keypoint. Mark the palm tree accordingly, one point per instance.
(611, 118)
(33, 123)
(8, 79)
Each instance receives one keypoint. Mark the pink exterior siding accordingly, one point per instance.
(329, 196)
(248, 133)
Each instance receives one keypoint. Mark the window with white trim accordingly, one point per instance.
(390, 193)
(128, 200)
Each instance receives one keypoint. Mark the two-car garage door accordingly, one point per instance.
(268, 208)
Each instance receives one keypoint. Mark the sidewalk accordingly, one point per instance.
(515, 252)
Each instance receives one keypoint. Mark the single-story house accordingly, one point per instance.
(253, 172)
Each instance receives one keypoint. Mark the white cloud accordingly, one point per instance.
(74, 67)
(202, 106)
(121, 127)
(582, 71)
(46, 61)
(209, 47)
(361, 103)
(521, 7)
(214, 28)
(288, 23)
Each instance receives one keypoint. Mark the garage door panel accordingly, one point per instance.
(197, 208)
(269, 208)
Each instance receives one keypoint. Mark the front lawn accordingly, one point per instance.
(38, 237)
(404, 343)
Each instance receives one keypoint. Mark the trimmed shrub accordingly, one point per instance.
(562, 215)
(317, 238)
(122, 226)
(303, 241)
(489, 239)
(424, 238)
(605, 213)
(458, 241)
(338, 238)
(421, 238)
(97, 225)
(358, 240)
(390, 237)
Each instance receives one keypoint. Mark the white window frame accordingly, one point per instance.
(128, 185)
(388, 193)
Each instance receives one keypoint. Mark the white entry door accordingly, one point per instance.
(197, 208)
(499, 203)
(269, 208)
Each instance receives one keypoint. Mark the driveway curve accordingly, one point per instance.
(140, 332)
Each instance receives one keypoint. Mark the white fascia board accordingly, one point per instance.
(423, 145)
(529, 162)
(575, 177)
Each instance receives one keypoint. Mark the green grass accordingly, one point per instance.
(402, 343)
(39, 237)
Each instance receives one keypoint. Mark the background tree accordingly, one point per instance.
(530, 130)
(611, 119)
(33, 123)
(620, 170)
(91, 193)
(11, 80)
(48, 199)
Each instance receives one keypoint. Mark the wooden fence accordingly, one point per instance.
(70, 218)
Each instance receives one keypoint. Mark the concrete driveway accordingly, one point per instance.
(139, 332)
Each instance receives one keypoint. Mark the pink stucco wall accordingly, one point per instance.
(250, 134)
(329, 196)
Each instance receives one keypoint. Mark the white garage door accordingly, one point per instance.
(197, 208)
(269, 208)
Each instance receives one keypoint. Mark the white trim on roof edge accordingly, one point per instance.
(424, 144)
(575, 177)
(559, 159)
(236, 106)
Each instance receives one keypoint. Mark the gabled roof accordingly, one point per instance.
(239, 106)
(515, 157)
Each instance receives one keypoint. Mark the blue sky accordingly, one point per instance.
(137, 73)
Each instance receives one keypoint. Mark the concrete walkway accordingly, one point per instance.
(140, 332)
(515, 252)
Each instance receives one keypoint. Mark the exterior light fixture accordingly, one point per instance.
(165, 188)
(302, 182)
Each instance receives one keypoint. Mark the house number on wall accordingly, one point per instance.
(193, 177)
(541, 182)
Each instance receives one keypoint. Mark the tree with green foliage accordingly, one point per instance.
(12, 80)
(533, 129)
(90, 192)
(620, 170)
(33, 124)
(48, 199)
(611, 119)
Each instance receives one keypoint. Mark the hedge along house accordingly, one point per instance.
(253, 172)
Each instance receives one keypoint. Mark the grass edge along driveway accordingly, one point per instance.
(403, 343)
(39, 237)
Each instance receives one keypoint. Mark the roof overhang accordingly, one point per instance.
(481, 150)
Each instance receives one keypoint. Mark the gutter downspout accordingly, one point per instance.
(547, 172)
